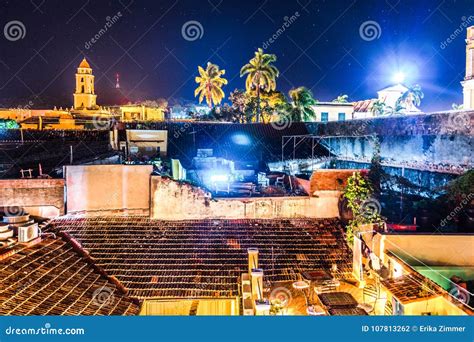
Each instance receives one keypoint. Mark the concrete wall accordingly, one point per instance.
(172, 200)
(42, 197)
(108, 188)
(433, 250)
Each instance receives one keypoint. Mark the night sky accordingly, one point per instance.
(322, 49)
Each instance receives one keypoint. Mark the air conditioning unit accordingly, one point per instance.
(28, 232)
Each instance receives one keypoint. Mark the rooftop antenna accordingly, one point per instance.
(117, 81)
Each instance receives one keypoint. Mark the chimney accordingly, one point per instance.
(253, 259)
(257, 284)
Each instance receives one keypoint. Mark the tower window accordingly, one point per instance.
(82, 89)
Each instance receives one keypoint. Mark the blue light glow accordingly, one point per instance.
(241, 139)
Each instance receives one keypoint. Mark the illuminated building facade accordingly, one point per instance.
(468, 83)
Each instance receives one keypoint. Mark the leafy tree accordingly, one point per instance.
(411, 97)
(341, 99)
(210, 84)
(398, 109)
(378, 108)
(301, 108)
(271, 103)
(261, 76)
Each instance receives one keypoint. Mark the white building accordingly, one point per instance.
(333, 111)
(468, 83)
(389, 96)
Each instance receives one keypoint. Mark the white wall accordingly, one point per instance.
(333, 110)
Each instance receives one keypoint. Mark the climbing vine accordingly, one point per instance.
(365, 208)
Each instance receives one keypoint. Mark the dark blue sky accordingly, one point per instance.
(322, 49)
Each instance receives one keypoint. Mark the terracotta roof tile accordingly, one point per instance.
(51, 278)
(204, 258)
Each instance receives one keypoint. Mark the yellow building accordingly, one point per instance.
(141, 113)
(84, 96)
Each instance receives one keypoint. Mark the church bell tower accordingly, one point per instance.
(84, 96)
(468, 83)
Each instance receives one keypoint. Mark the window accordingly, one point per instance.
(341, 116)
(324, 117)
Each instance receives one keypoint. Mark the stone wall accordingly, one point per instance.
(171, 200)
(43, 197)
(453, 149)
(442, 123)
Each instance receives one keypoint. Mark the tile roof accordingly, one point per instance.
(363, 105)
(412, 287)
(204, 258)
(53, 278)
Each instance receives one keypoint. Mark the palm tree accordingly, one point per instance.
(302, 107)
(210, 84)
(398, 109)
(261, 75)
(411, 97)
(378, 108)
(341, 99)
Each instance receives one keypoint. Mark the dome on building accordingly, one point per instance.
(84, 64)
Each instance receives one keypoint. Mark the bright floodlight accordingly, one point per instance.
(219, 178)
(399, 77)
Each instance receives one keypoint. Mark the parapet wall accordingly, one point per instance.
(172, 200)
(442, 123)
(43, 197)
(108, 188)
